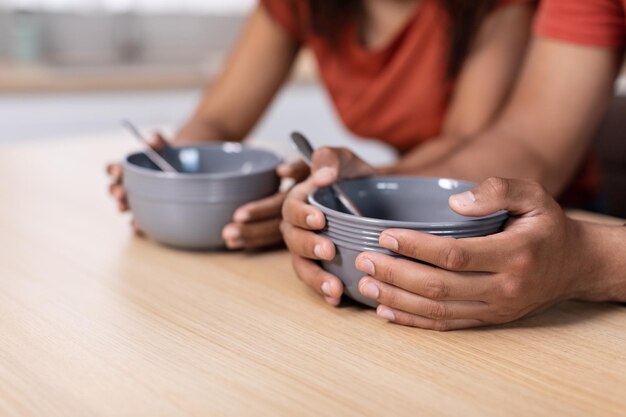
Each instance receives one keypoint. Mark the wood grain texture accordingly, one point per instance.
(96, 322)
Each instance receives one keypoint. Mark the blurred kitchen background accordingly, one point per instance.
(74, 68)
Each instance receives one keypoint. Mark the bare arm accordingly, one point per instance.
(604, 278)
(483, 85)
(257, 68)
(545, 130)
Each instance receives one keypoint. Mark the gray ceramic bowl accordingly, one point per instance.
(189, 209)
(414, 203)
(401, 202)
(343, 267)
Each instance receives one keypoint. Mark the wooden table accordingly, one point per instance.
(96, 322)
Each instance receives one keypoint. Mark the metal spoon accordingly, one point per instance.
(154, 156)
(306, 150)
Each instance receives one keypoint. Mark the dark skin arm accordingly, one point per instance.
(542, 134)
(542, 258)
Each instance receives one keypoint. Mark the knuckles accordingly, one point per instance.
(453, 258)
(497, 186)
(435, 289)
(438, 311)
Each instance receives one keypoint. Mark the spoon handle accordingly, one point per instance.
(345, 200)
(304, 147)
(153, 155)
(306, 150)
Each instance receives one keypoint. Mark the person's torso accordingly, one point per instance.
(398, 93)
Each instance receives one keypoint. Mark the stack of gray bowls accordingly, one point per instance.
(188, 209)
(414, 203)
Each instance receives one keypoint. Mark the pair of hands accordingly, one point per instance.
(536, 262)
(254, 225)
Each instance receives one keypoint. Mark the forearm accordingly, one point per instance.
(425, 156)
(200, 129)
(257, 67)
(602, 250)
(499, 152)
(474, 159)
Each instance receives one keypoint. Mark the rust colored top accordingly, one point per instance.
(398, 93)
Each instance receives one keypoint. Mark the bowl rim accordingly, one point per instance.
(439, 227)
(207, 175)
(397, 224)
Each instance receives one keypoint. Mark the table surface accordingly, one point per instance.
(96, 322)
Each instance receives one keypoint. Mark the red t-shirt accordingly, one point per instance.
(600, 23)
(587, 22)
(397, 94)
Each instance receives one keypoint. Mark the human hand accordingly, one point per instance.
(257, 224)
(116, 176)
(300, 220)
(533, 264)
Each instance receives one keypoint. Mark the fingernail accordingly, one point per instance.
(464, 199)
(386, 313)
(370, 290)
(235, 244)
(325, 174)
(366, 266)
(241, 216)
(388, 242)
(310, 220)
(326, 289)
(231, 233)
(318, 250)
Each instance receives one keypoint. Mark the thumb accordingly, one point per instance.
(333, 164)
(325, 166)
(518, 197)
(156, 141)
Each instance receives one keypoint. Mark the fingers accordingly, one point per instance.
(156, 141)
(307, 244)
(325, 167)
(298, 213)
(519, 197)
(255, 235)
(116, 172)
(333, 164)
(324, 283)
(119, 194)
(400, 299)
(424, 280)
(480, 254)
(298, 170)
(255, 211)
(408, 319)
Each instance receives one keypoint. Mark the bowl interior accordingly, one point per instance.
(403, 199)
(212, 160)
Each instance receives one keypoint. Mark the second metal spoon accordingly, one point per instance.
(153, 155)
(306, 150)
